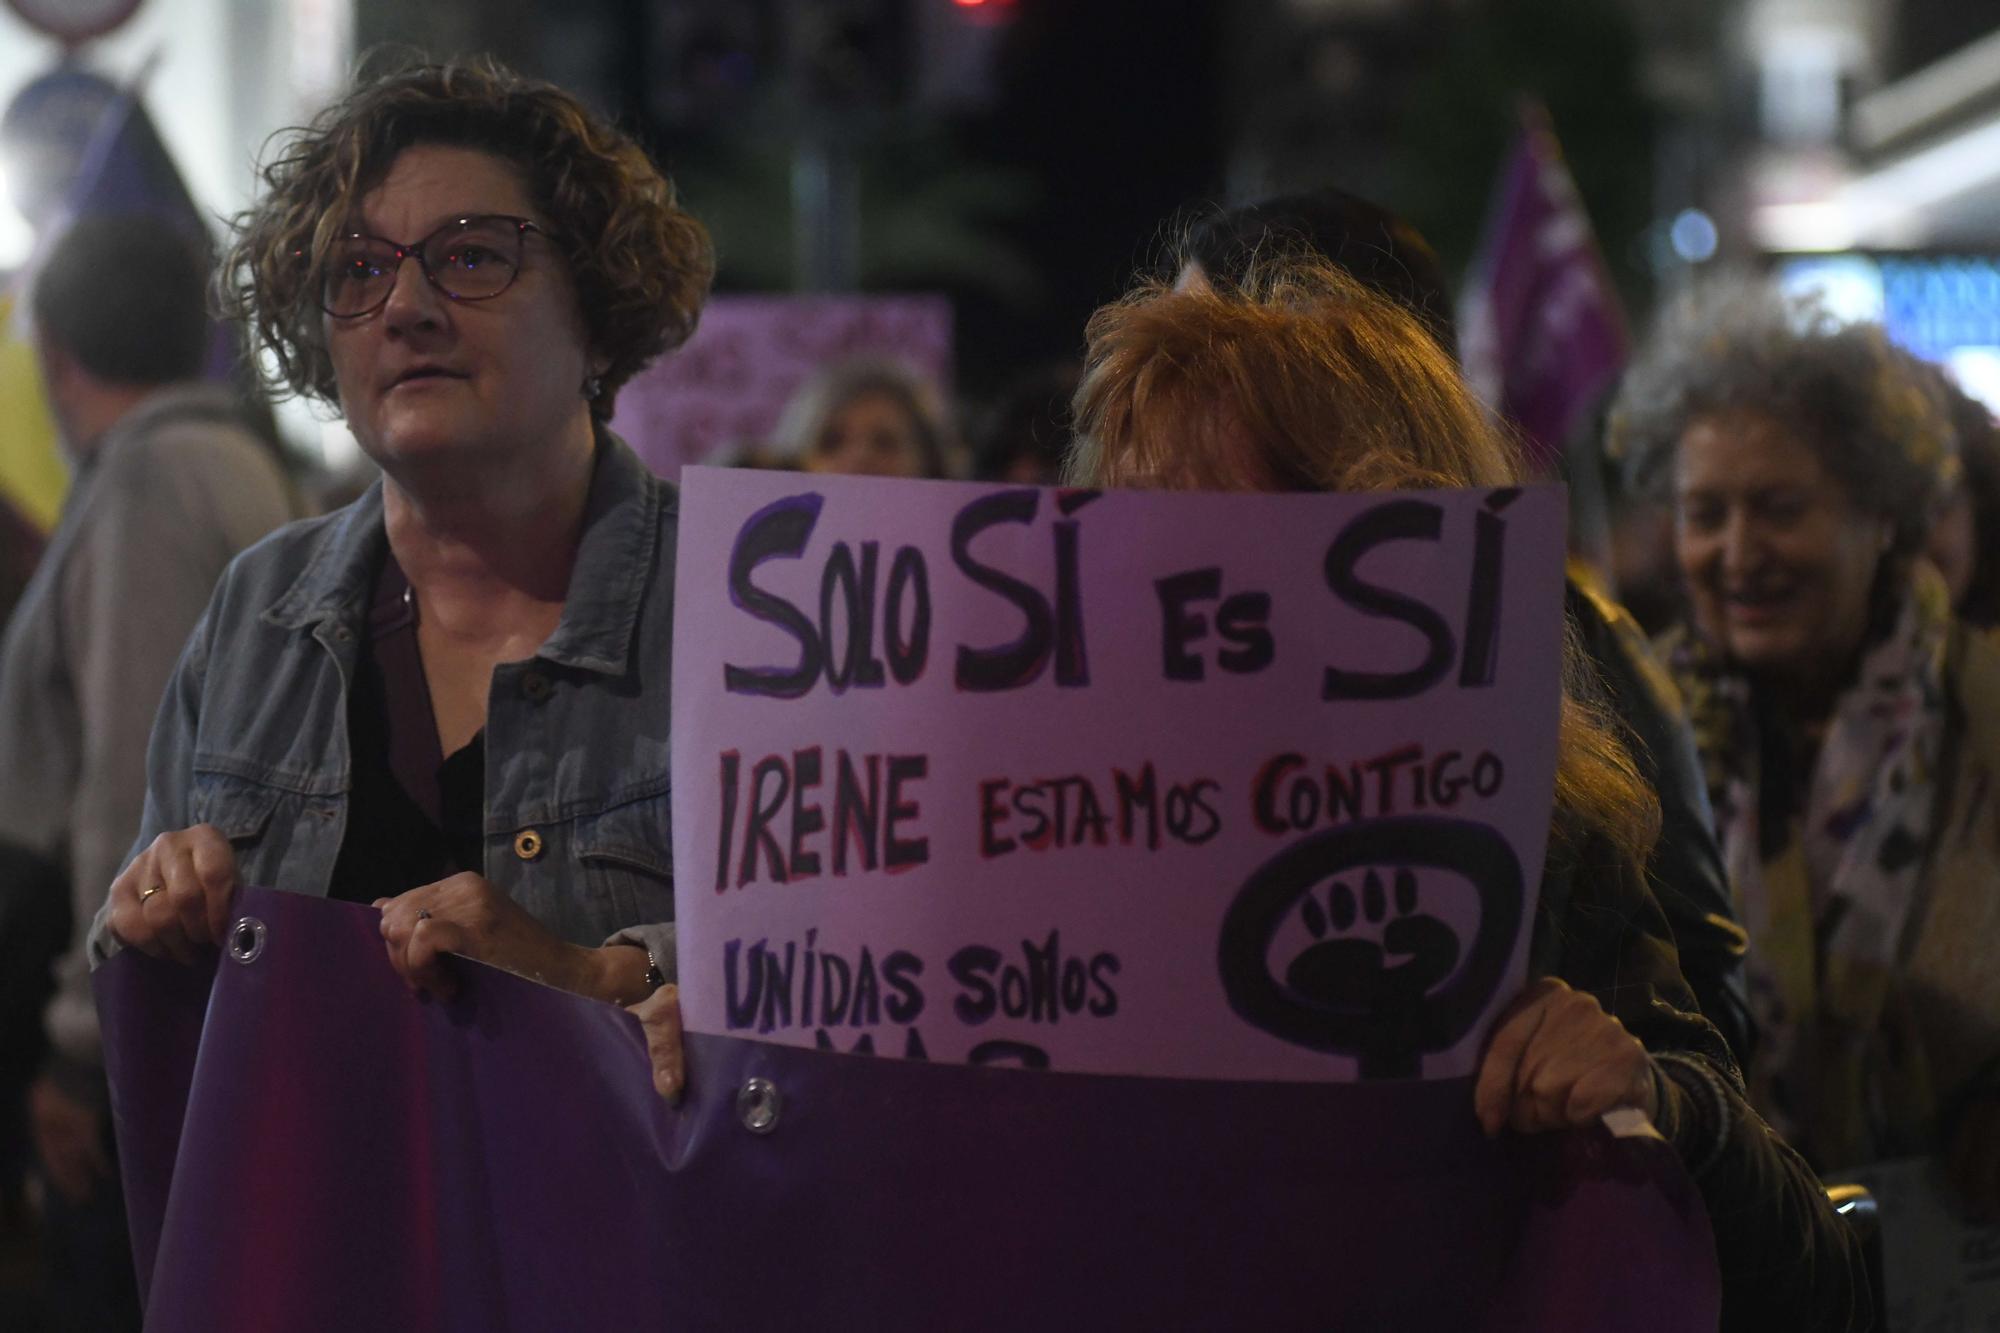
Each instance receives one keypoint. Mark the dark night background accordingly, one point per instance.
(1037, 179)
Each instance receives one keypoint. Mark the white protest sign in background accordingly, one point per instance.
(1212, 786)
(729, 385)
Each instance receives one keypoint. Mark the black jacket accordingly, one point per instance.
(1788, 1261)
(1685, 870)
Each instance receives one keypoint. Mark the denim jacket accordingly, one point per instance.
(252, 734)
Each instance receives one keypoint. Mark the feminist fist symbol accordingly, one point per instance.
(1350, 972)
(1344, 993)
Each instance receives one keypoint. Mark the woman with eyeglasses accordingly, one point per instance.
(448, 699)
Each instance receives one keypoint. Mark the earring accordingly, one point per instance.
(593, 388)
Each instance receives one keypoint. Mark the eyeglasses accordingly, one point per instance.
(468, 259)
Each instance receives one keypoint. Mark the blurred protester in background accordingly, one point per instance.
(171, 482)
(1392, 259)
(868, 418)
(1027, 430)
(1849, 725)
(449, 699)
(45, 133)
(1300, 379)
(1639, 554)
(1965, 538)
(21, 547)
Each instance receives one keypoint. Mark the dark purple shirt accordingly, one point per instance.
(415, 815)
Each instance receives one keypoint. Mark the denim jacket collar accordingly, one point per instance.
(621, 525)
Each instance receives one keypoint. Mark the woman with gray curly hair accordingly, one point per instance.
(1848, 724)
(449, 699)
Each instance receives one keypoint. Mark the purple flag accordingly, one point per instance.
(1540, 326)
(125, 170)
(307, 1147)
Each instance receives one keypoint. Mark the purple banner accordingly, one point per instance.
(1542, 334)
(307, 1147)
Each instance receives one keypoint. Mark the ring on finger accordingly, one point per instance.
(423, 914)
(149, 892)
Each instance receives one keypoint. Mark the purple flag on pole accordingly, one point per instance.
(126, 170)
(1540, 326)
(307, 1147)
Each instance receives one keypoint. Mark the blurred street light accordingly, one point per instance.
(1694, 236)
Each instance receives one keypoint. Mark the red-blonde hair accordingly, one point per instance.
(1302, 379)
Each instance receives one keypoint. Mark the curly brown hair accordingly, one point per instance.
(641, 264)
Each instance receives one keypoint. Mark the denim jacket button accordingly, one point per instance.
(535, 687)
(527, 844)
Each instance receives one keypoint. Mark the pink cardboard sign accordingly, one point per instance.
(1203, 786)
(750, 354)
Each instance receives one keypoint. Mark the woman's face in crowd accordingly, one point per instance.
(427, 377)
(1778, 560)
(871, 435)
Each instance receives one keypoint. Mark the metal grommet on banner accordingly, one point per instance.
(246, 939)
(758, 1105)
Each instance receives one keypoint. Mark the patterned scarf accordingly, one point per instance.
(1826, 889)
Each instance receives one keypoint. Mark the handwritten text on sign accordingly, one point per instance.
(1230, 786)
